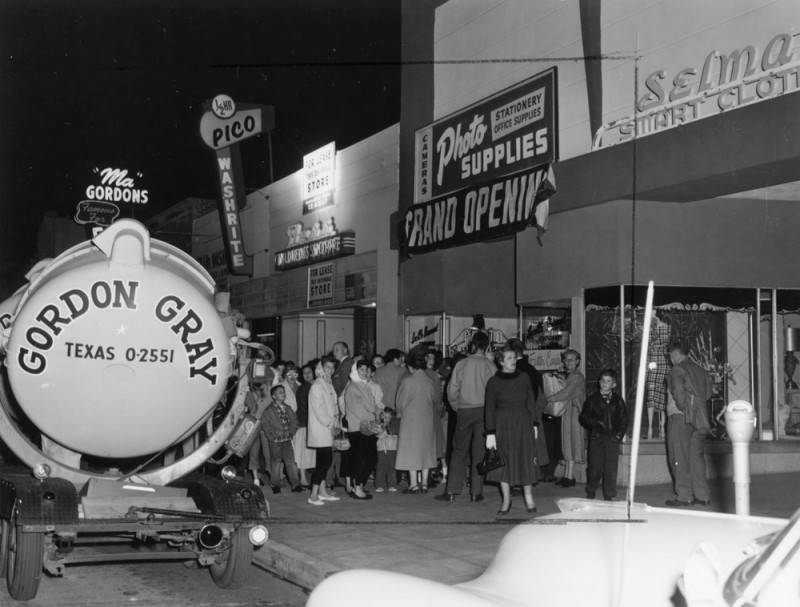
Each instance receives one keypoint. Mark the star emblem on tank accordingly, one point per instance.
(122, 330)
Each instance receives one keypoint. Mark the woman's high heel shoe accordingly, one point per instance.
(506, 511)
(531, 509)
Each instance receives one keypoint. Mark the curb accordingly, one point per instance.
(294, 566)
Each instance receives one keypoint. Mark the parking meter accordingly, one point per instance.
(740, 421)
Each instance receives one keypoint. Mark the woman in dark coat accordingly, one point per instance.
(511, 419)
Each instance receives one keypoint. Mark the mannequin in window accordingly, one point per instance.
(657, 369)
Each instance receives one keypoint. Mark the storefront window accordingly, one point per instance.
(451, 334)
(788, 354)
(546, 333)
(748, 344)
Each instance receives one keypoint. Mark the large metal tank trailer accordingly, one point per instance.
(120, 379)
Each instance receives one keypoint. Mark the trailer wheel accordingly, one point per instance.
(5, 530)
(230, 570)
(24, 561)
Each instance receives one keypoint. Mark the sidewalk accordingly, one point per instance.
(450, 543)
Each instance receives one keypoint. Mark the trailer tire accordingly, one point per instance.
(5, 530)
(230, 570)
(24, 562)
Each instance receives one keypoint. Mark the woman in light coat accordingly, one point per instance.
(322, 423)
(574, 393)
(360, 408)
(416, 402)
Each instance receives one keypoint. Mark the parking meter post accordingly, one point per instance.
(740, 421)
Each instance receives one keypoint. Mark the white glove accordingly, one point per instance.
(491, 441)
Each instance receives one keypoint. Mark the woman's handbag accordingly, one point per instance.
(340, 440)
(492, 460)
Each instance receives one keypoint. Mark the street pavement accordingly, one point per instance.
(447, 542)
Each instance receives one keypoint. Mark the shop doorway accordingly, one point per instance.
(364, 332)
(266, 330)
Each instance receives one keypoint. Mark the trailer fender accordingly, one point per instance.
(228, 498)
(51, 501)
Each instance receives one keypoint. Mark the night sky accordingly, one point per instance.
(100, 83)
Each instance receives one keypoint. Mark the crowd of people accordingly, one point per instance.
(404, 422)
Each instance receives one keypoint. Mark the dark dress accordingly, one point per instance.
(510, 413)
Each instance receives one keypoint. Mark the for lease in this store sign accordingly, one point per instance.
(319, 169)
(320, 285)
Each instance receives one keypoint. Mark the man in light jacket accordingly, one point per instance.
(466, 392)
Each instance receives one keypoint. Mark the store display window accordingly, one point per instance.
(748, 340)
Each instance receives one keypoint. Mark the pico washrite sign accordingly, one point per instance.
(491, 210)
(232, 197)
(721, 83)
(320, 285)
(319, 173)
(226, 122)
(511, 131)
(339, 245)
(222, 127)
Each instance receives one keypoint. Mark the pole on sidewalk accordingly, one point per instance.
(740, 421)
(640, 387)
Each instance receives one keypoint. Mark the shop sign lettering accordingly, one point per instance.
(231, 198)
(722, 82)
(491, 210)
(501, 135)
(242, 124)
(343, 243)
(319, 173)
(222, 127)
(320, 285)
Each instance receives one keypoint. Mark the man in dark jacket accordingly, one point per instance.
(687, 427)
(606, 417)
(344, 363)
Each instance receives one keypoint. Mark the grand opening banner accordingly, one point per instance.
(490, 210)
(511, 131)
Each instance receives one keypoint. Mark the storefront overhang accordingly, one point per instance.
(744, 149)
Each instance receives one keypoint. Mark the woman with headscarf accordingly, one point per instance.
(361, 410)
(323, 415)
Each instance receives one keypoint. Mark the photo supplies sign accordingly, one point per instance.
(320, 285)
(319, 171)
(509, 132)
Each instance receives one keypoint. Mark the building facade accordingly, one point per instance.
(323, 268)
(676, 163)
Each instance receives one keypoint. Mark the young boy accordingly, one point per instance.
(279, 423)
(385, 476)
(606, 417)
